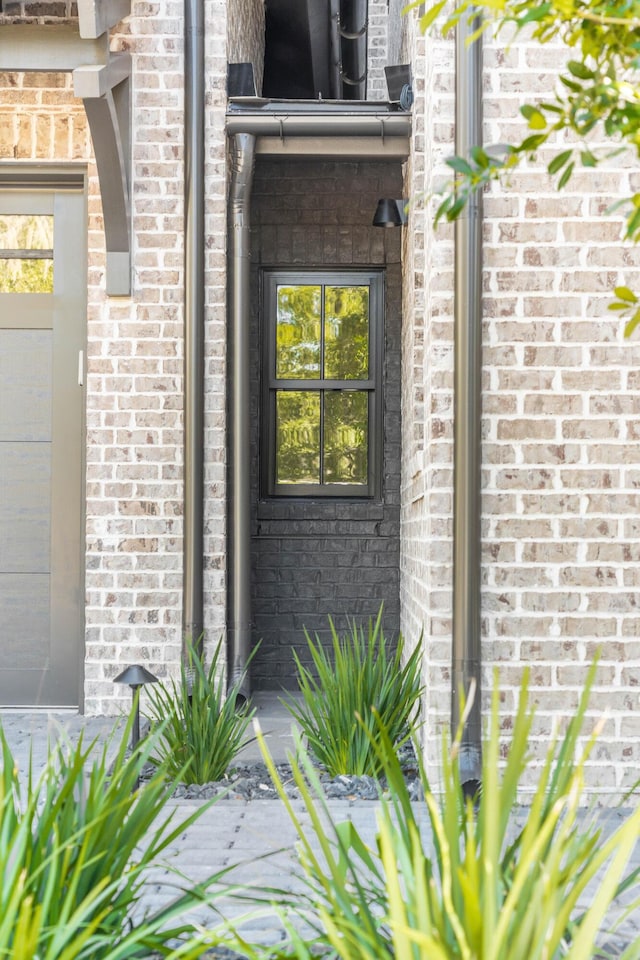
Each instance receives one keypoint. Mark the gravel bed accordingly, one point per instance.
(251, 781)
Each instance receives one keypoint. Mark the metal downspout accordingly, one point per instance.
(348, 36)
(334, 44)
(354, 31)
(193, 543)
(466, 654)
(239, 500)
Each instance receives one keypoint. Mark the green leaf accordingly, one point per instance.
(571, 84)
(460, 165)
(456, 207)
(580, 70)
(534, 117)
(427, 19)
(624, 293)
(533, 14)
(532, 143)
(631, 324)
(480, 157)
(588, 159)
(566, 176)
(553, 107)
(559, 161)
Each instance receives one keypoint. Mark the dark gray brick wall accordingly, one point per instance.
(312, 559)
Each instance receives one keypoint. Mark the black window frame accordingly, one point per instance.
(272, 278)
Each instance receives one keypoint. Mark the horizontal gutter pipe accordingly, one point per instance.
(466, 649)
(324, 125)
(193, 534)
(239, 478)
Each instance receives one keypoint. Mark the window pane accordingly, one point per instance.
(297, 436)
(346, 436)
(346, 332)
(26, 276)
(298, 333)
(26, 232)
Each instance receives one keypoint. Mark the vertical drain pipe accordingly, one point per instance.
(466, 653)
(353, 31)
(193, 543)
(239, 477)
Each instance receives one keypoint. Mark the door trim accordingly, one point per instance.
(63, 191)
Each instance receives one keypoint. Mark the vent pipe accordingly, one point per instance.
(193, 545)
(466, 653)
(239, 476)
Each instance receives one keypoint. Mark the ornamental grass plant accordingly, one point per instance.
(359, 672)
(200, 728)
(76, 845)
(494, 881)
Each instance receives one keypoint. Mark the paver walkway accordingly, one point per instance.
(257, 836)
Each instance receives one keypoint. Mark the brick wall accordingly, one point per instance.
(46, 11)
(314, 559)
(139, 568)
(427, 401)
(134, 346)
(377, 48)
(560, 502)
(40, 120)
(560, 405)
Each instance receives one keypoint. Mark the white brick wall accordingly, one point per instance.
(377, 49)
(560, 535)
(134, 384)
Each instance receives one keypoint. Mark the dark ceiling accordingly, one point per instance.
(297, 49)
(298, 53)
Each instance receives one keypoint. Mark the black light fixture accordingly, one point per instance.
(135, 676)
(390, 213)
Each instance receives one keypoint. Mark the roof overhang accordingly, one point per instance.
(102, 80)
(324, 129)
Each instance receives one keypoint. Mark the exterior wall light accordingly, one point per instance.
(390, 213)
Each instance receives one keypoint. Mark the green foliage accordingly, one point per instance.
(21, 272)
(362, 674)
(26, 276)
(200, 730)
(75, 846)
(597, 93)
(494, 881)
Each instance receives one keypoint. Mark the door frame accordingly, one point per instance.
(63, 182)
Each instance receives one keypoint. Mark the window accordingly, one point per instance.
(26, 253)
(322, 384)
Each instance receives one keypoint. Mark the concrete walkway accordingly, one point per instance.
(256, 838)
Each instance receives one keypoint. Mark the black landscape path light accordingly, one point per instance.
(135, 676)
